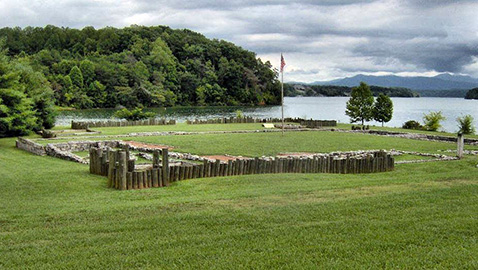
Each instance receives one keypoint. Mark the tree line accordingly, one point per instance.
(142, 66)
(131, 67)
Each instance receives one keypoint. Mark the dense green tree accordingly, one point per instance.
(38, 89)
(383, 109)
(24, 100)
(96, 92)
(76, 77)
(87, 69)
(360, 105)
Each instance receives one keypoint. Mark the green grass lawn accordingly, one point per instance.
(54, 214)
(179, 127)
(258, 144)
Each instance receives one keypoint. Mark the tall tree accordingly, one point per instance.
(360, 105)
(383, 109)
(24, 98)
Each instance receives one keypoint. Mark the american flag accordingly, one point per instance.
(282, 63)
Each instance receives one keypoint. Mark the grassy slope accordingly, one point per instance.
(53, 214)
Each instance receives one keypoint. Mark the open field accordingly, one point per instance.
(54, 214)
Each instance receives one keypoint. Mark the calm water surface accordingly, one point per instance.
(306, 107)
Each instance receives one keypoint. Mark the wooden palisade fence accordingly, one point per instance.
(121, 123)
(303, 122)
(122, 175)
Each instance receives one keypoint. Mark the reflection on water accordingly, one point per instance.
(306, 107)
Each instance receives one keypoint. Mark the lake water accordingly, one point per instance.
(332, 108)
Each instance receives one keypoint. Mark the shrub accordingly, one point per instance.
(412, 124)
(239, 114)
(133, 115)
(432, 121)
(465, 124)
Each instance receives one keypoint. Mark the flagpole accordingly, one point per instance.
(282, 96)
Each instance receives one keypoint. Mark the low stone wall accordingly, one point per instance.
(63, 150)
(79, 146)
(30, 146)
(120, 123)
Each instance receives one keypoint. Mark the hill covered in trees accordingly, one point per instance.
(472, 94)
(141, 66)
(293, 90)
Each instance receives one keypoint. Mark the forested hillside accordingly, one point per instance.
(137, 65)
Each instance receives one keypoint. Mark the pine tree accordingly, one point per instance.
(16, 111)
(360, 105)
(383, 109)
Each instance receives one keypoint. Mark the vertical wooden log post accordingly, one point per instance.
(121, 170)
(111, 167)
(155, 177)
(92, 160)
(460, 143)
(104, 163)
(165, 166)
(156, 159)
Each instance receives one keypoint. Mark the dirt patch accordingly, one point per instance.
(148, 145)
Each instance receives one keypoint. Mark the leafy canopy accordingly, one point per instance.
(360, 105)
(25, 98)
(383, 109)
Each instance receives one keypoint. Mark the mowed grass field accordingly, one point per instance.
(55, 215)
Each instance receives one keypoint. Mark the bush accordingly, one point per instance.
(465, 124)
(412, 124)
(239, 114)
(432, 121)
(133, 115)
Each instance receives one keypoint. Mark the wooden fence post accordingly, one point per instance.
(121, 170)
(111, 167)
(165, 166)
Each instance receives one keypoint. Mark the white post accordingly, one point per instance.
(460, 142)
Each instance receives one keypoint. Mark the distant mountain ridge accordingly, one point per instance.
(440, 82)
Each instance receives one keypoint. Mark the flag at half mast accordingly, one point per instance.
(282, 63)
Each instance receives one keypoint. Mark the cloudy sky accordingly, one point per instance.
(321, 39)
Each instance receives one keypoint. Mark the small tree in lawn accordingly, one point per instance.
(465, 123)
(432, 121)
(383, 109)
(360, 105)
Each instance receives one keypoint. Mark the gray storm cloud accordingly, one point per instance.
(320, 39)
